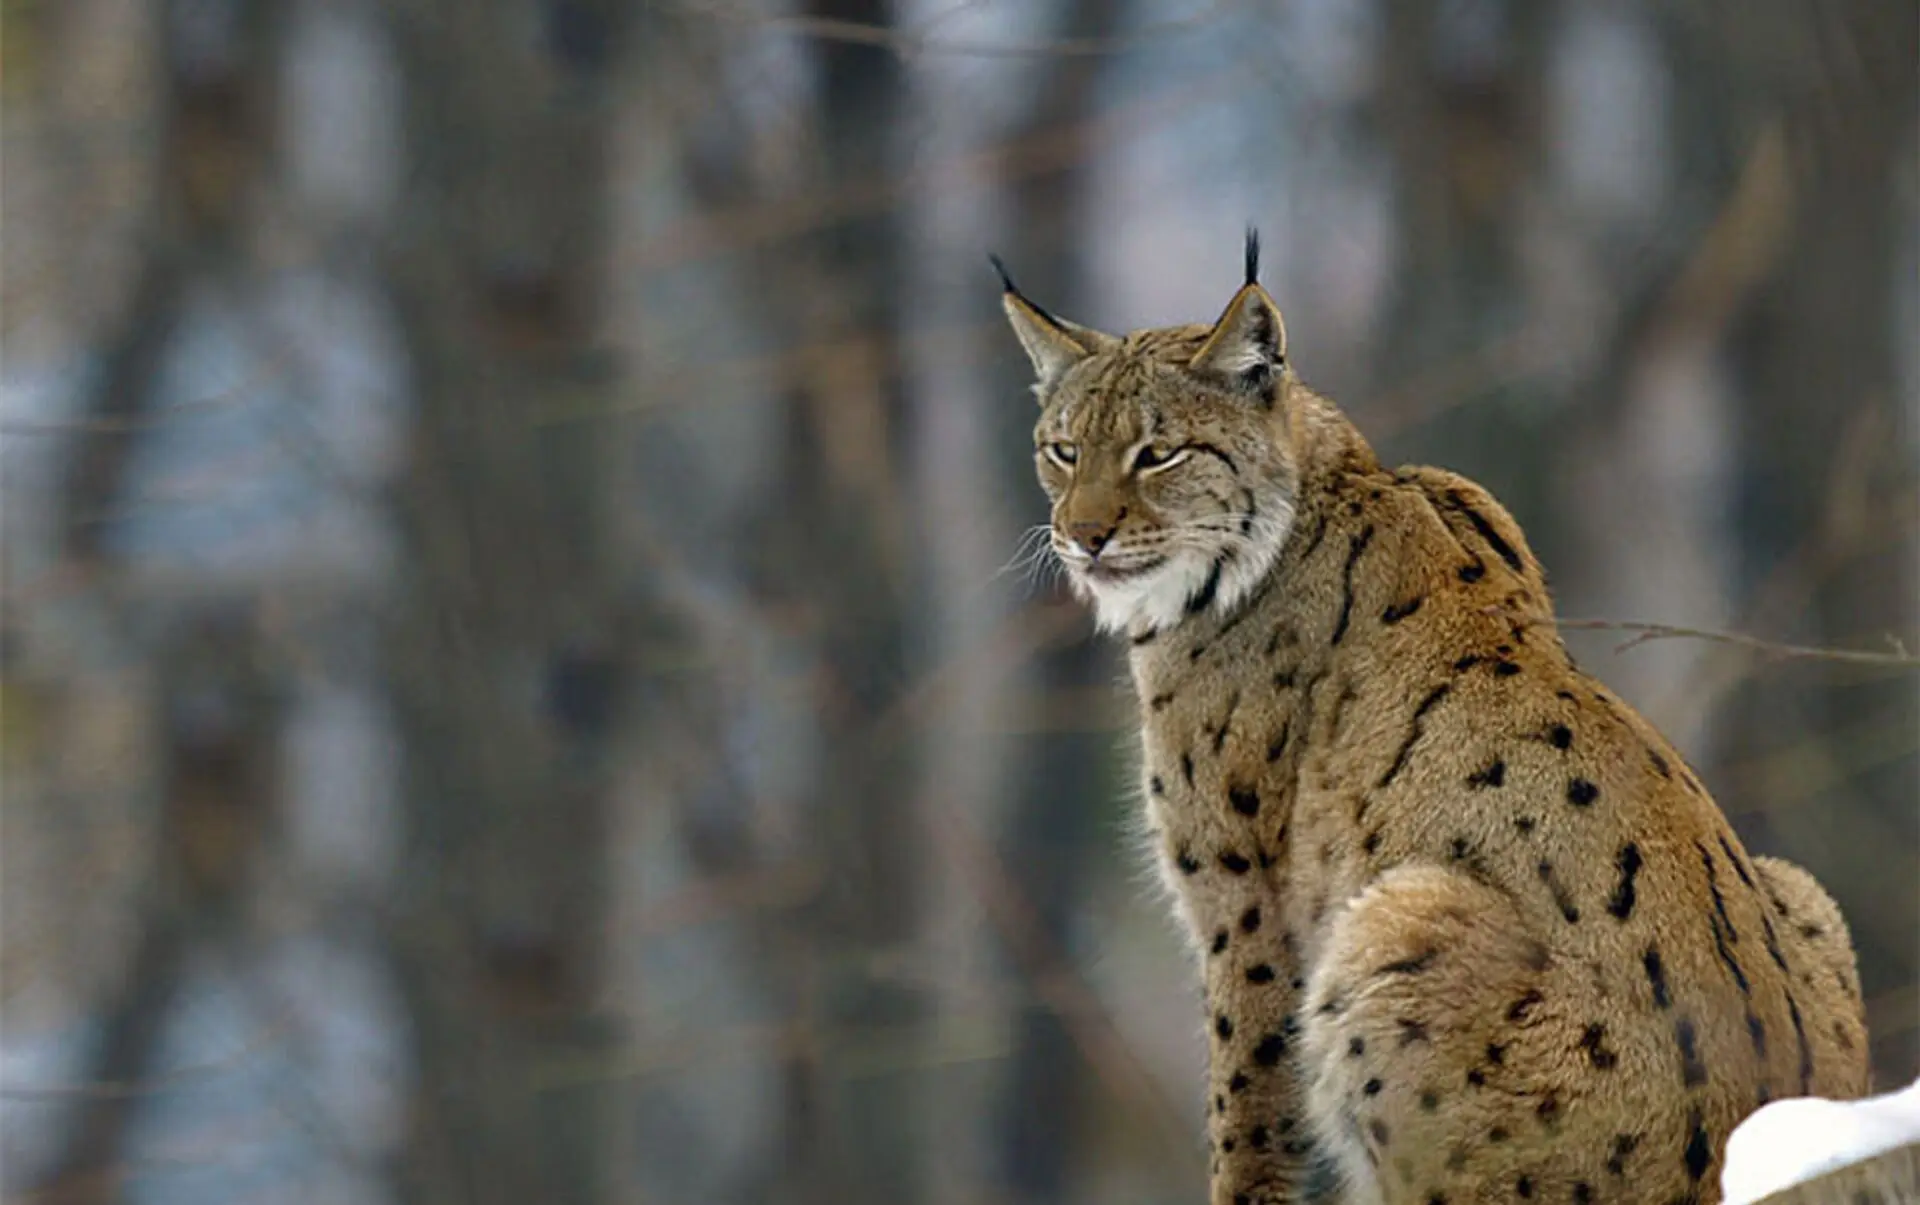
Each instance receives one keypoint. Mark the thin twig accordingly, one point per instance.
(909, 43)
(1647, 632)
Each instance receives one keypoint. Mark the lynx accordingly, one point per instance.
(1470, 930)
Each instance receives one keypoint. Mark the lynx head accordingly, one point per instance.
(1167, 454)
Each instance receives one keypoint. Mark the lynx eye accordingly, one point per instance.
(1061, 453)
(1150, 458)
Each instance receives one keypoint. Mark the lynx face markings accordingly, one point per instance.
(1468, 928)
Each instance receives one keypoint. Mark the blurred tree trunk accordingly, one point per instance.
(216, 713)
(218, 73)
(1829, 483)
(219, 719)
(506, 644)
(1460, 106)
(1063, 784)
(833, 553)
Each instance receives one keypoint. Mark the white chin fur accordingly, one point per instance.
(1157, 601)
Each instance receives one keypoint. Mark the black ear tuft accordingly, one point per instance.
(1253, 255)
(1006, 281)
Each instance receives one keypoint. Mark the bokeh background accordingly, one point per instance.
(519, 681)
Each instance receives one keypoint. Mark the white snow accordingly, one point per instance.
(1792, 1141)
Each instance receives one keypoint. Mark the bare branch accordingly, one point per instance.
(908, 43)
(1647, 632)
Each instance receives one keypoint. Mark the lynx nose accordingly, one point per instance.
(1091, 534)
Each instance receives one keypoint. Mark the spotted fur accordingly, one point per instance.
(1469, 928)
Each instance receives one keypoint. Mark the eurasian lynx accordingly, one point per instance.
(1470, 929)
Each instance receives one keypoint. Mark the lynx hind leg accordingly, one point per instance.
(1824, 976)
(1429, 1016)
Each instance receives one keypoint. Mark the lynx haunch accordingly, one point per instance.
(1470, 929)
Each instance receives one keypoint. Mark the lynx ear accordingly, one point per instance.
(1248, 345)
(1053, 344)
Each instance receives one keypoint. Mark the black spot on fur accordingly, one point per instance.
(1523, 1187)
(1494, 774)
(1156, 786)
(1357, 547)
(1277, 746)
(1582, 1193)
(1757, 1034)
(1219, 941)
(1223, 1027)
(1495, 541)
(1505, 669)
(1371, 1087)
(1159, 702)
(1399, 611)
(1245, 800)
(1773, 941)
(1250, 921)
(1226, 724)
(1806, 1051)
(1238, 1083)
(1738, 863)
(1378, 1129)
(1581, 793)
(1621, 905)
(1466, 663)
(1548, 1110)
(1187, 863)
(1561, 899)
(1496, 1054)
(1202, 598)
(1524, 823)
(1660, 765)
(1235, 863)
(1656, 976)
(1693, 1072)
(1724, 934)
(1314, 541)
(1560, 736)
(1410, 966)
(1592, 1041)
(1414, 729)
(1430, 1102)
(1721, 948)
(1699, 1148)
(1623, 1145)
(1284, 679)
(1355, 1046)
(1260, 973)
(1521, 1008)
(1412, 1031)
(1472, 573)
(1186, 767)
(1719, 900)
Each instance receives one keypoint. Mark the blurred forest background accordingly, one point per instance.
(513, 689)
